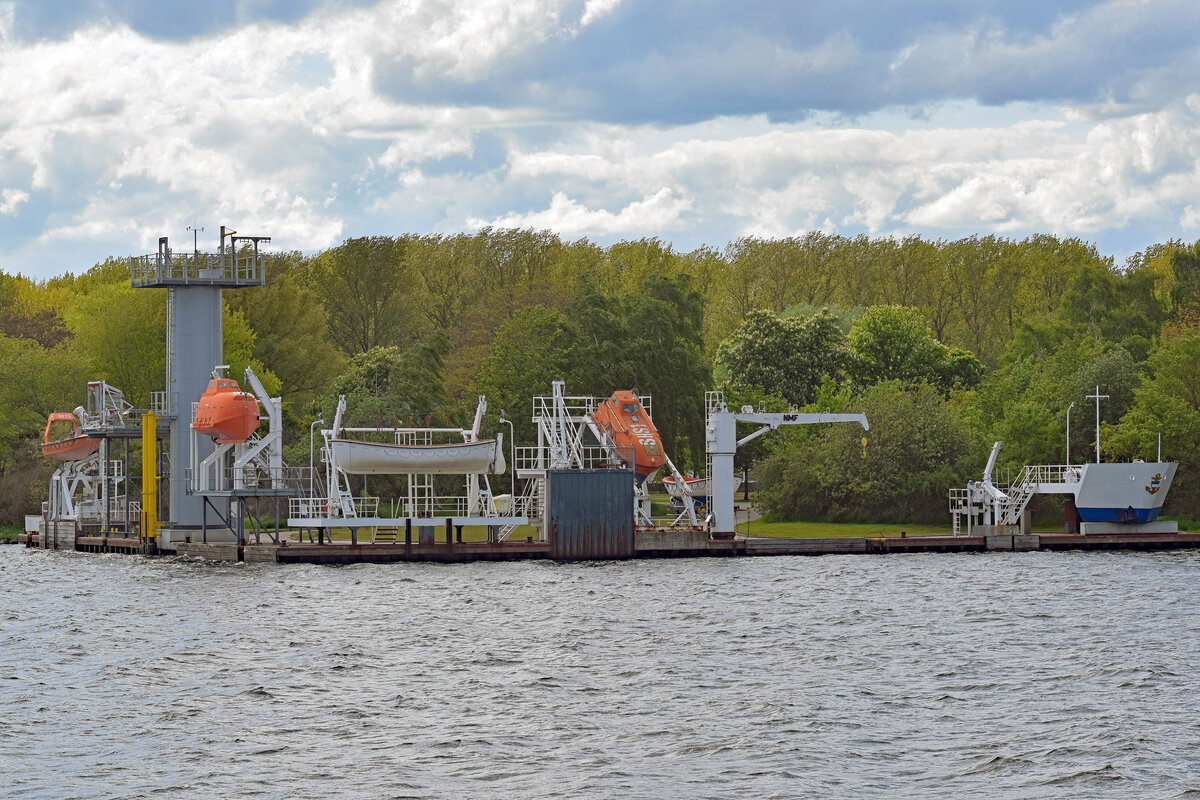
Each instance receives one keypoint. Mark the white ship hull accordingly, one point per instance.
(1125, 492)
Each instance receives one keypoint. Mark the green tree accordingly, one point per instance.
(651, 341)
(894, 343)
(290, 335)
(1114, 307)
(788, 357)
(363, 285)
(1025, 402)
(130, 355)
(386, 385)
(1185, 286)
(1168, 404)
(917, 448)
(31, 311)
(47, 379)
(532, 349)
(238, 352)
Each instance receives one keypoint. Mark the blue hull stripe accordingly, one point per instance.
(1118, 514)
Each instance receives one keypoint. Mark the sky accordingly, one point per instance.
(692, 121)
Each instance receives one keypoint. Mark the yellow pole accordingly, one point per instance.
(149, 476)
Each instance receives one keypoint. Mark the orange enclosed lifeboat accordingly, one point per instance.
(626, 421)
(71, 448)
(226, 413)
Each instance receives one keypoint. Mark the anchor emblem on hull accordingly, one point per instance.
(1155, 484)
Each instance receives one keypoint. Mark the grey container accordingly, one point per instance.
(590, 514)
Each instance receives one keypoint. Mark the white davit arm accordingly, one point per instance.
(337, 417)
(480, 410)
(987, 474)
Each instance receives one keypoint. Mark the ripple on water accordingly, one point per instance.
(1011, 675)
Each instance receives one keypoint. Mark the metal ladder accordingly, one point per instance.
(346, 503)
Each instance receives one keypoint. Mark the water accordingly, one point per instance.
(1000, 675)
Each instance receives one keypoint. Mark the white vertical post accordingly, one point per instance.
(1098, 397)
(1068, 461)
(721, 433)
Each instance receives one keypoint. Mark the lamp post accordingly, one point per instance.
(512, 443)
(1069, 432)
(311, 483)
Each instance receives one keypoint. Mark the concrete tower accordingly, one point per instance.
(195, 340)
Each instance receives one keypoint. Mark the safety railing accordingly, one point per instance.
(254, 476)
(163, 404)
(183, 268)
(309, 507)
(535, 459)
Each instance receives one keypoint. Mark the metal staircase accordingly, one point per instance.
(1019, 494)
(985, 503)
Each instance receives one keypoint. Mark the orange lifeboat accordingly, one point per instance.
(226, 413)
(624, 419)
(74, 447)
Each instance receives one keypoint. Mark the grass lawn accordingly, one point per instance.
(478, 533)
(815, 530)
(9, 533)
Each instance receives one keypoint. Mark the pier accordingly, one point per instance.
(647, 544)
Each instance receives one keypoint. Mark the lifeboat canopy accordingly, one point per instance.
(627, 423)
(226, 413)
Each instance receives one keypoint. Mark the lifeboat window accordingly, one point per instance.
(224, 384)
(629, 408)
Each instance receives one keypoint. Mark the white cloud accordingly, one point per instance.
(595, 9)
(116, 139)
(460, 40)
(411, 147)
(653, 214)
(10, 199)
(1034, 175)
(129, 135)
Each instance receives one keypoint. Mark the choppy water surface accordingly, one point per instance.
(1021, 675)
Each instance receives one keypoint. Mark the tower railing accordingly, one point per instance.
(172, 268)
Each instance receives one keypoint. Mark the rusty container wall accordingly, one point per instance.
(590, 514)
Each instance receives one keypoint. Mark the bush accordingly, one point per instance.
(916, 451)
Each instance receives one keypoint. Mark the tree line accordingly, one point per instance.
(946, 344)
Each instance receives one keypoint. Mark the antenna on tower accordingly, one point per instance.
(195, 238)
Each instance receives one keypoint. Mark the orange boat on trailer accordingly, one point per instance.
(626, 421)
(226, 413)
(74, 447)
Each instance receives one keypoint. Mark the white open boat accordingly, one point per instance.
(698, 488)
(458, 458)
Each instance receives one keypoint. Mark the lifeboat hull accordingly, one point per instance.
(73, 449)
(461, 458)
(70, 448)
(627, 423)
(226, 413)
